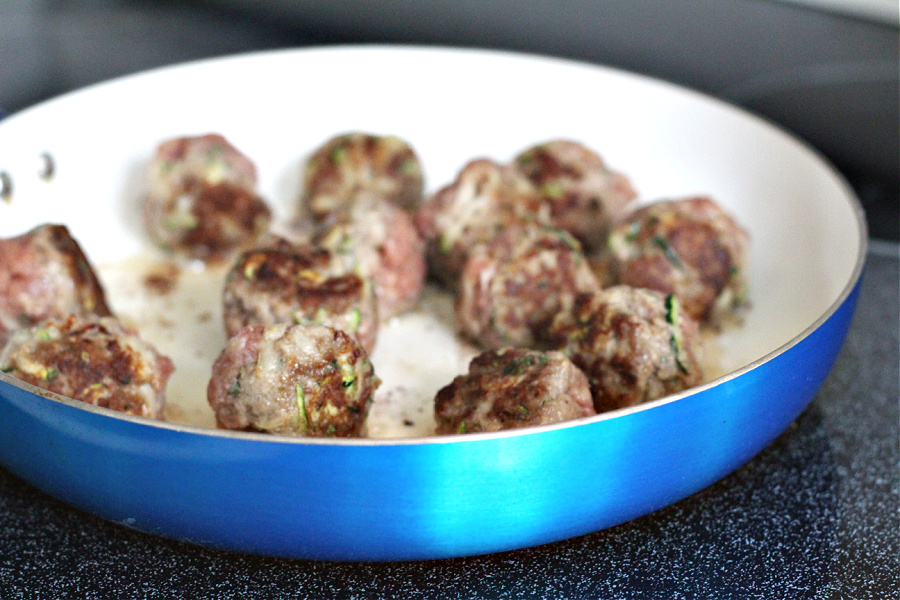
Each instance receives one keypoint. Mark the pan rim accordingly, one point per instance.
(848, 195)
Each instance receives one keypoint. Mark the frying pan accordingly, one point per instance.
(430, 497)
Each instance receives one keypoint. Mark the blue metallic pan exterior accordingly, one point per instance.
(442, 497)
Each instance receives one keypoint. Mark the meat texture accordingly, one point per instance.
(586, 197)
(91, 359)
(201, 198)
(43, 274)
(357, 163)
(298, 284)
(688, 247)
(298, 380)
(634, 345)
(378, 241)
(513, 287)
(509, 388)
(485, 199)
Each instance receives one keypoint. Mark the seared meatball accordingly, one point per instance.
(586, 197)
(284, 283)
(201, 198)
(634, 345)
(485, 199)
(513, 287)
(691, 248)
(354, 163)
(510, 388)
(378, 241)
(43, 274)
(299, 380)
(91, 359)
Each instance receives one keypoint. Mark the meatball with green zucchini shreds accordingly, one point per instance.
(635, 345)
(512, 287)
(378, 241)
(510, 388)
(92, 359)
(688, 247)
(297, 380)
(201, 199)
(485, 199)
(298, 284)
(44, 273)
(586, 197)
(357, 163)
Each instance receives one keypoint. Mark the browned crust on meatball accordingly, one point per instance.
(44, 273)
(300, 380)
(301, 285)
(513, 287)
(634, 345)
(357, 163)
(510, 388)
(586, 197)
(94, 360)
(688, 247)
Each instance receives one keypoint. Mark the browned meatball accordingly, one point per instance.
(586, 197)
(201, 198)
(354, 163)
(513, 287)
(510, 388)
(633, 344)
(43, 274)
(91, 359)
(307, 380)
(485, 199)
(285, 283)
(691, 248)
(378, 241)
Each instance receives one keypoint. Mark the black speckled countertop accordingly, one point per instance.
(815, 515)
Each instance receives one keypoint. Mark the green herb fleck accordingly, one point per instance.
(553, 189)
(672, 309)
(663, 245)
(633, 230)
(337, 155)
(301, 418)
(355, 320)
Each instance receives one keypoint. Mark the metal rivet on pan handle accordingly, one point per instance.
(6, 187)
(46, 166)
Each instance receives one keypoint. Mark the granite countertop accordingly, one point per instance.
(815, 515)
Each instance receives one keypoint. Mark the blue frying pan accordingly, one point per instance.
(430, 497)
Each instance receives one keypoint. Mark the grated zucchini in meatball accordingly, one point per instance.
(485, 199)
(285, 283)
(634, 345)
(512, 288)
(43, 274)
(510, 388)
(301, 380)
(586, 197)
(92, 359)
(689, 247)
(357, 163)
(201, 198)
(378, 241)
